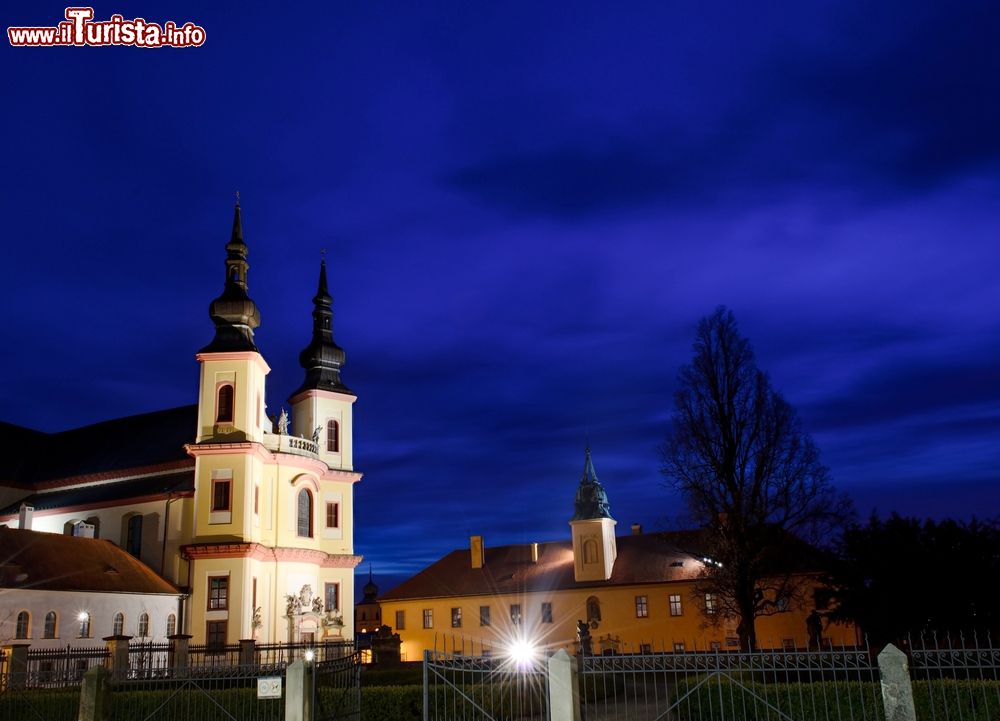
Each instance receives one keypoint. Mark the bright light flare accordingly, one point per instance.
(522, 652)
(309, 655)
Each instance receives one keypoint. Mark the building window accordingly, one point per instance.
(331, 596)
(645, 648)
(590, 551)
(225, 405)
(256, 500)
(333, 515)
(21, 628)
(215, 634)
(546, 612)
(711, 604)
(714, 646)
(679, 647)
(50, 625)
(118, 625)
(515, 613)
(218, 593)
(84, 619)
(143, 625)
(133, 535)
(332, 437)
(428, 618)
(675, 605)
(484, 615)
(641, 607)
(788, 644)
(593, 609)
(456, 618)
(400, 620)
(732, 641)
(305, 513)
(220, 494)
(171, 625)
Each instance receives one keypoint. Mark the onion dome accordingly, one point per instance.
(370, 589)
(591, 498)
(234, 313)
(322, 358)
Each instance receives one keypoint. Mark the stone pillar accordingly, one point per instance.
(17, 664)
(299, 691)
(179, 644)
(94, 695)
(897, 692)
(117, 652)
(564, 689)
(248, 651)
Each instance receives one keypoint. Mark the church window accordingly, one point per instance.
(218, 593)
(333, 515)
(50, 625)
(332, 437)
(144, 625)
(118, 625)
(21, 628)
(224, 410)
(133, 535)
(305, 514)
(84, 619)
(171, 625)
(590, 551)
(220, 494)
(675, 605)
(332, 596)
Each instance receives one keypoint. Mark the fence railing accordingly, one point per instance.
(53, 668)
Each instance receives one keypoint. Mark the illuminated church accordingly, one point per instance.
(250, 519)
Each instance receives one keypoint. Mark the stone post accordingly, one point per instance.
(94, 695)
(248, 651)
(897, 692)
(564, 689)
(179, 658)
(17, 664)
(117, 653)
(299, 691)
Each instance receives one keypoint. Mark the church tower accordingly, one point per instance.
(594, 548)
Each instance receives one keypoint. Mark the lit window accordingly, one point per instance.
(333, 515)
(218, 593)
(711, 605)
(331, 596)
(641, 607)
(84, 619)
(400, 620)
(678, 647)
(484, 615)
(428, 618)
(50, 624)
(225, 406)
(305, 514)
(332, 437)
(675, 605)
(515, 613)
(21, 629)
(215, 634)
(456, 618)
(118, 625)
(171, 625)
(546, 612)
(144, 625)
(220, 494)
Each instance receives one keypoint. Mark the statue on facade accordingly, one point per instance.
(306, 596)
(814, 626)
(316, 431)
(283, 423)
(583, 634)
(317, 606)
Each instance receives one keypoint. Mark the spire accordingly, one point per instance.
(322, 359)
(591, 499)
(234, 313)
(370, 590)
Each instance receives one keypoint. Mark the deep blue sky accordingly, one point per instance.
(527, 206)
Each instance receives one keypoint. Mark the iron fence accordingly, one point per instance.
(149, 659)
(336, 685)
(60, 667)
(214, 655)
(955, 678)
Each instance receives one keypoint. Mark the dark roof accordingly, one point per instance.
(179, 482)
(51, 562)
(643, 558)
(143, 440)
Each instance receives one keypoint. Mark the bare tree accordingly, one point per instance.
(751, 478)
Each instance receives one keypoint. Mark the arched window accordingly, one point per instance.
(144, 624)
(593, 609)
(21, 629)
(171, 625)
(50, 625)
(84, 619)
(118, 626)
(590, 551)
(305, 513)
(133, 535)
(332, 437)
(225, 405)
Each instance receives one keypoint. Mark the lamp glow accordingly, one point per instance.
(522, 652)
(309, 655)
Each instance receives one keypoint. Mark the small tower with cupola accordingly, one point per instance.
(594, 547)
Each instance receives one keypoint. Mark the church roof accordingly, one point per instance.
(104, 493)
(31, 560)
(147, 439)
(642, 559)
(591, 499)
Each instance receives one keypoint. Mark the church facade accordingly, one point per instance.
(252, 520)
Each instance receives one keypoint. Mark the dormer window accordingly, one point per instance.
(224, 407)
(332, 437)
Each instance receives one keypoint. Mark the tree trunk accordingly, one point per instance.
(746, 629)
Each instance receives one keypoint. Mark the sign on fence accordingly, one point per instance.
(269, 687)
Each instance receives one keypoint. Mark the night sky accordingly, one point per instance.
(527, 207)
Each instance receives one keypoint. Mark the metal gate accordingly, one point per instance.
(337, 688)
(484, 688)
(721, 686)
(24, 696)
